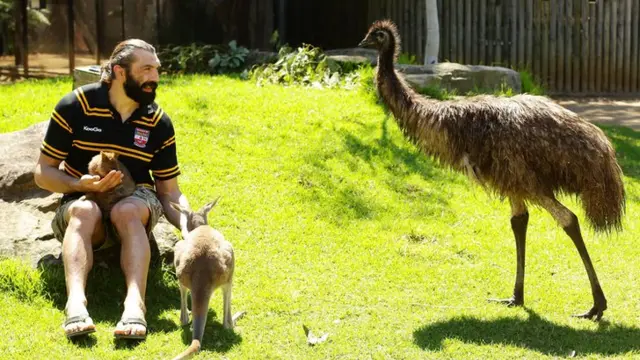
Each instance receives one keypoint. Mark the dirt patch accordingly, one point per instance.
(606, 111)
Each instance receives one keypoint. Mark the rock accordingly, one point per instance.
(83, 75)
(463, 78)
(451, 76)
(355, 54)
(26, 210)
(19, 153)
(259, 57)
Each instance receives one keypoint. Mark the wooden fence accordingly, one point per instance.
(572, 46)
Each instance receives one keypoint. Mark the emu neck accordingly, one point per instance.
(412, 112)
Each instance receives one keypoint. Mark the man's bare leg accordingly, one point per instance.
(84, 230)
(130, 217)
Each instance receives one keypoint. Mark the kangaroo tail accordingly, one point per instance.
(199, 308)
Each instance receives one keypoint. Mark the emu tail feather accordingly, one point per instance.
(199, 308)
(604, 201)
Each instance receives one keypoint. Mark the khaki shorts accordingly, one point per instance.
(148, 196)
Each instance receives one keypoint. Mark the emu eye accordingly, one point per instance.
(380, 36)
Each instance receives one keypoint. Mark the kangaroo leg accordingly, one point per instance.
(569, 222)
(519, 221)
(226, 297)
(184, 312)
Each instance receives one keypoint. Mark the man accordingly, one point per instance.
(116, 114)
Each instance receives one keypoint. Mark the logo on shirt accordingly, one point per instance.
(92, 129)
(141, 137)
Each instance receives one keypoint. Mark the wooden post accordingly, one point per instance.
(282, 24)
(98, 30)
(158, 21)
(635, 45)
(483, 34)
(71, 32)
(25, 37)
(124, 36)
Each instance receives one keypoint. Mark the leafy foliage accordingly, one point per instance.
(406, 58)
(307, 66)
(530, 85)
(203, 59)
(37, 19)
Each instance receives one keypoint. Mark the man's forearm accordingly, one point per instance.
(172, 215)
(55, 180)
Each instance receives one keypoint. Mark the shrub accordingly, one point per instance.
(306, 66)
(198, 58)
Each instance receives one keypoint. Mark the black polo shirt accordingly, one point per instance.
(84, 122)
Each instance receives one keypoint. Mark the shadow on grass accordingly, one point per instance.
(106, 291)
(533, 333)
(391, 163)
(216, 338)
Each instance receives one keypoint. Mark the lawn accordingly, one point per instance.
(339, 224)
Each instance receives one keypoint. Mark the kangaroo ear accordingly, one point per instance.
(205, 209)
(176, 206)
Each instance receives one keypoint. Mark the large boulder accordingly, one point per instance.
(462, 78)
(454, 77)
(26, 210)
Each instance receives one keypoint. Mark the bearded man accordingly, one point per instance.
(116, 114)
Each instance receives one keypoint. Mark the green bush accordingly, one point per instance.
(529, 84)
(203, 59)
(306, 66)
(406, 58)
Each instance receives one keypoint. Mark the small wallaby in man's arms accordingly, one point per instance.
(101, 164)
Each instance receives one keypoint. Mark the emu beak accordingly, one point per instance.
(366, 42)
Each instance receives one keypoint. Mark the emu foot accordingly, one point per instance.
(510, 302)
(594, 314)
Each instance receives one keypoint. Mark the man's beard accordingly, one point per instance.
(134, 90)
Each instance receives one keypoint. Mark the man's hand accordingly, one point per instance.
(93, 183)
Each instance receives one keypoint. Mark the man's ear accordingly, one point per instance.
(120, 72)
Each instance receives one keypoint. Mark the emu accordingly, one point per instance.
(524, 148)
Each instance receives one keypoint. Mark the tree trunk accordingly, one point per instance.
(433, 33)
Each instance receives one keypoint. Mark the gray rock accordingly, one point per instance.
(259, 57)
(451, 76)
(83, 75)
(26, 210)
(359, 54)
(463, 78)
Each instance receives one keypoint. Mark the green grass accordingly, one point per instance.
(339, 224)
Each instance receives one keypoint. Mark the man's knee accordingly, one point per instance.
(129, 211)
(86, 212)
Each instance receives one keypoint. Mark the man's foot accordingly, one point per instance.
(132, 325)
(78, 321)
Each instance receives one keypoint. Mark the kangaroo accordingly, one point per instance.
(204, 261)
(100, 165)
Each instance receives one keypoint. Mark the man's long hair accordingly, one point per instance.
(123, 55)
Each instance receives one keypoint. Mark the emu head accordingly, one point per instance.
(190, 219)
(102, 163)
(382, 36)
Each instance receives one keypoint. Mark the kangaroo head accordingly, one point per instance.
(103, 162)
(197, 218)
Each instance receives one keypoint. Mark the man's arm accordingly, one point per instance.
(48, 176)
(169, 191)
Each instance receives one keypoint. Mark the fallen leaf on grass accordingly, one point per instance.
(237, 316)
(312, 339)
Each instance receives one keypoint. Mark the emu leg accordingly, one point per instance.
(519, 221)
(569, 222)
